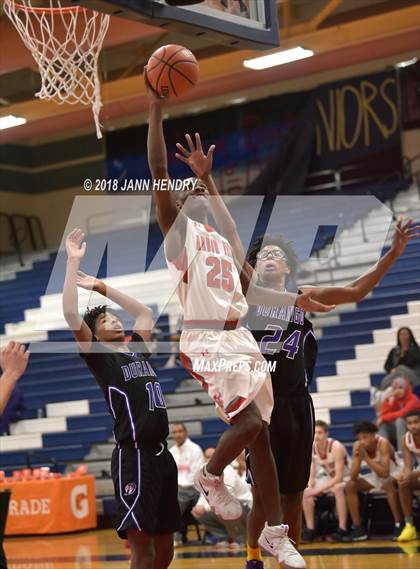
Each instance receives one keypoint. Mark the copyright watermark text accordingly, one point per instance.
(138, 185)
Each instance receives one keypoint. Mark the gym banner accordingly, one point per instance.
(354, 118)
(51, 506)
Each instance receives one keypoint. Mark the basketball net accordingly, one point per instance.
(65, 43)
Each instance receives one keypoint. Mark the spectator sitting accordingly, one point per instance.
(402, 361)
(13, 411)
(400, 401)
(406, 353)
(377, 454)
(189, 459)
(229, 533)
(329, 470)
(409, 479)
(174, 338)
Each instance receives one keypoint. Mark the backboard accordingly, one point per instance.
(237, 23)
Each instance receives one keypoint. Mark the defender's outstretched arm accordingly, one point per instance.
(76, 248)
(359, 288)
(142, 313)
(201, 164)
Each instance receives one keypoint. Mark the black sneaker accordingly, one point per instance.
(397, 531)
(308, 535)
(339, 535)
(356, 534)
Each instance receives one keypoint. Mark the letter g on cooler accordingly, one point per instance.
(78, 501)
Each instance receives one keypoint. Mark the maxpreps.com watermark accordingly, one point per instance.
(139, 185)
(223, 365)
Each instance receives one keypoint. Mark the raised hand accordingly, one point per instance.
(86, 281)
(404, 232)
(199, 162)
(308, 304)
(75, 244)
(14, 359)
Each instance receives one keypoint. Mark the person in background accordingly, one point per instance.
(402, 361)
(377, 454)
(189, 459)
(13, 363)
(409, 479)
(173, 360)
(13, 411)
(400, 401)
(229, 533)
(406, 353)
(329, 469)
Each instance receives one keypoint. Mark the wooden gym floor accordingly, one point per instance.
(104, 550)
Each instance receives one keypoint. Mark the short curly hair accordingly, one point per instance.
(284, 244)
(364, 427)
(92, 314)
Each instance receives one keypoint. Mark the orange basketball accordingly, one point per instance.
(172, 70)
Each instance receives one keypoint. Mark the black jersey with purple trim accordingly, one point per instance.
(132, 392)
(286, 338)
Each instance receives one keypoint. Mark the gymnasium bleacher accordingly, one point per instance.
(66, 420)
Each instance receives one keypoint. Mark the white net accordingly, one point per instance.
(65, 43)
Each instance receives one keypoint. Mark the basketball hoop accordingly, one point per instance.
(65, 43)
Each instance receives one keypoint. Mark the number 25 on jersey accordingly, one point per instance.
(220, 274)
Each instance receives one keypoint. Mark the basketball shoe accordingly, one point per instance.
(217, 495)
(274, 540)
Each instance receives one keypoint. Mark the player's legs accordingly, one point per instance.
(405, 490)
(291, 434)
(257, 530)
(164, 550)
(309, 502)
(255, 525)
(292, 514)
(352, 489)
(390, 487)
(265, 476)
(142, 545)
(340, 504)
(150, 551)
(264, 523)
(245, 428)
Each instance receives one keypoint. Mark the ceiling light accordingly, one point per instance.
(406, 63)
(238, 100)
(278, 58)
(199, 109)
(10, 120)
